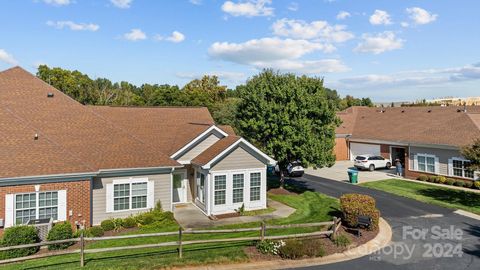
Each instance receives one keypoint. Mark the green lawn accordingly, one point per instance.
(311, 207)
(442, 196)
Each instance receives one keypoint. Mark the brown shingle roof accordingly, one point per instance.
(422, 125)
(228, 129)
(72, 138)
(214, 150)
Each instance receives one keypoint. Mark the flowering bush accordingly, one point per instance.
(354, 205)
(270, 247)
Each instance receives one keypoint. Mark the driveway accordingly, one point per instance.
(406, 215)
(338, 172)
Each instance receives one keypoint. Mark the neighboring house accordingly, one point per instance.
(426, 139)
(85, 164)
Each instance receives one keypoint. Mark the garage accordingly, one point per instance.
(362, 149)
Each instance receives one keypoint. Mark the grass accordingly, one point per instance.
(268, 210)
(441, 196)
(311, 207)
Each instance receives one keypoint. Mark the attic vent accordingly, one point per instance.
(50, 95)
(403, 111)
(429, 111)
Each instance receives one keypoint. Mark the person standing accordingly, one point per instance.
(398, 167)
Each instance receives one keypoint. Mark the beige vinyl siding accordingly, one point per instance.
(200, 147)
(162, 190)
(238, 159)
(443, 156)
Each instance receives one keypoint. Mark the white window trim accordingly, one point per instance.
(450, 168)
(215, 190)
(242, 188)
(131, 181)
(415, 163)
(61, 205)
(250, 186)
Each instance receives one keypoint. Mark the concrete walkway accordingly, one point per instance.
(338, 172)
(189, 216)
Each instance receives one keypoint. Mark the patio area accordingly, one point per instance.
(338, 172)
(189, 216)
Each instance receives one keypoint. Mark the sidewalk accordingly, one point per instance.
(382, 240)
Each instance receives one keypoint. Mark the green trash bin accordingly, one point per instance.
(353, 176)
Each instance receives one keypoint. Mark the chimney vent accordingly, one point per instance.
(35, 137)
(50, 95)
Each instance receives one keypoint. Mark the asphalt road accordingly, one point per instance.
(448, 240)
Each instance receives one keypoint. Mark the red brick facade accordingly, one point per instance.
(78, 198)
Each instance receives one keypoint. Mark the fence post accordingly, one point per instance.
(262, 231)
(82, 250)
(334, 234)
(180, 248)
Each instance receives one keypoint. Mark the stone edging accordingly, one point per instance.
(380, 241)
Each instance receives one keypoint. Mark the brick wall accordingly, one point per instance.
(78, 198)
(341, 149)
(415, 175)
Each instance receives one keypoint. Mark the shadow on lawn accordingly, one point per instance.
(294, 185)
(469, 199)
(186, 250)
(473, 230)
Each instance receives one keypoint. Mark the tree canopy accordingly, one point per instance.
(289, 117)
(472, 153)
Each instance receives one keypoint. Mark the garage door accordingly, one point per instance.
(362, 149)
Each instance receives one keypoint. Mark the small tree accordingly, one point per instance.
(472, 153)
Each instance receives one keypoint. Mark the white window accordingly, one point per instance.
(460, 168)
(220, 186)
(255, 183)
(128, 196)
(201, 187)
(426, 163)
(36, 205)
(237, 184)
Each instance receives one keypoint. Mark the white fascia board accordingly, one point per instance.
(198, 138)
(249, 145)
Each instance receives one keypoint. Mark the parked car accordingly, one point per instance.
(371, 162)
(295, 168)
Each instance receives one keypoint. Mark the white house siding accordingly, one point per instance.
(238, 161)
(200, 147)
(443, 156)
(162, 192)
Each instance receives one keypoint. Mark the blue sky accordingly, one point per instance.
(387, 50)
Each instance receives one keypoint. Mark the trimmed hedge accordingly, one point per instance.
(476, 184)
(459, 183)
(60, 231)
(107, 225)
(354, 205)
(296, 249)
(129, 222)
(422, 178)
(450, 181)
(19, 235)
(96, 231)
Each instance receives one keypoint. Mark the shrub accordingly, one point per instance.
(153, 216)
(19, 235)
(459, 183)
(96, 231)
(108, 225)
(476, 184)
(295, 249)
(422, 177)
(468, 184)
(270, 247)
(431, 178)
(158, 206)
(354, 205)
(146, 218)
(78, 233)
(342, 241)
(60, 231)
(118, 223)
(450, 181)
(442, 179)
(129, 222)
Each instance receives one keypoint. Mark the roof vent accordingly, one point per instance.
(403, 111)
(429, 111)
(50, 95)
(382, 111)
(35, 137)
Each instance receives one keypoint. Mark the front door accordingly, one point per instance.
(398, 153)
(179, 188)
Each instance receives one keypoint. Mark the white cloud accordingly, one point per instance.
(58, 2)
(7, 58)
(233, 77)
(404, 24)
(74, 26)
(293, 6)
(380, 17)
(122, 3)
(342, 15)
(421, 16)
(379, 43)
(135, 35)
(196, 2)
(248, 8)
(175, 37)
(314, 30)
(283, 54)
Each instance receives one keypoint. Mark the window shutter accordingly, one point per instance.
(109, 198)
(150, 194)
(450, 166)
(415, 162)
(9, 210)
(437, 165)
(62, 205)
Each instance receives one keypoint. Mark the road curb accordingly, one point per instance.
(380, 241)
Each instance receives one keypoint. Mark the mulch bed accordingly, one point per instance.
(229, 215)
(328, 245)
(281, 191)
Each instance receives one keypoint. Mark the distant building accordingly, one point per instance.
(452, 101)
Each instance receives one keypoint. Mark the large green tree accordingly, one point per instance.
(472, 153)
(288, 117)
